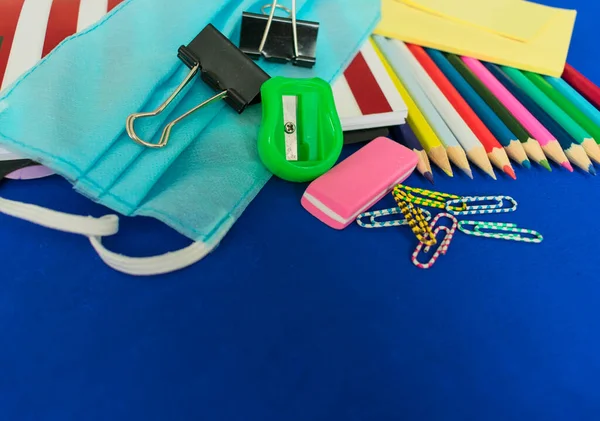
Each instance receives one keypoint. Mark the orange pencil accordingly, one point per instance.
(494, 149)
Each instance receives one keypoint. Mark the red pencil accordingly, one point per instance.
(492, 147)
(582, 84)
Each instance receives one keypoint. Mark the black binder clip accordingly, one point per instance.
(223, 67)
(279, 39)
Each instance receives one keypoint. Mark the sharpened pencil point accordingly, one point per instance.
(567, 165)
(428, 176)
(526, 164)
(544, 163)
(468, 172)
(592, 170)
(508, 170)
(448, 173)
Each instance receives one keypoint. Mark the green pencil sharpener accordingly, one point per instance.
(300, 135)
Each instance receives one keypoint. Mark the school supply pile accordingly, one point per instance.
(345, 194)
(188, 145)
(161, 118)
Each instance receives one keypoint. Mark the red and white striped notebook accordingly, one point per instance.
(366, 96)
(30, 29)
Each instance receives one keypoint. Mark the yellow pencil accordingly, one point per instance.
(427, 137)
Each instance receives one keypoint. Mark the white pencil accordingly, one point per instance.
(461, 131)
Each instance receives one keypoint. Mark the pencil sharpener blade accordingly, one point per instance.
(300, 136)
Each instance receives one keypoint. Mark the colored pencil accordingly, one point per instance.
(575, 97)
(507, 139)
(438, 109)
(531, 146)
(572, 149)
(411, 140)
(559, 99)
(554, 111)
(583, 85)
(549, 144)
(423, 129)
(455, 151)
(405, 135)
(418, 103)
(494, 150)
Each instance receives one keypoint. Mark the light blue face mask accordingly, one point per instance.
(69, 113)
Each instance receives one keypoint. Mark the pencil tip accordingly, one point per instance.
(526, 164)
(428, 176)
(567, 165)
(508, 170)
(592, 170)
(468, 172)
(448, 172)
(544, 163)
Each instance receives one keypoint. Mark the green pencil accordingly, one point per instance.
(554, 111)
(559, 99)
(531, 146)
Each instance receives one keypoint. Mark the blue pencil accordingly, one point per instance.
(573, 150)
(575, 97)
(404, 134)
(507, 139)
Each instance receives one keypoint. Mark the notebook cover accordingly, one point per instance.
(366, 96)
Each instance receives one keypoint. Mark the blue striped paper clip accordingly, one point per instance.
(479, 205)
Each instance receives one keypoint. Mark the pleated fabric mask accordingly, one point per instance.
(82, 93)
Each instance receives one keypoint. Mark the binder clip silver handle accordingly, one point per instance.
(164, 138)
(292, 13)
(223, 67)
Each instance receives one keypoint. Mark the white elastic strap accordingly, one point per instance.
(95, 229)
(84, 225)
(156, 265)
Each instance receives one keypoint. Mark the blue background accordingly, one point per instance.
(290, 320)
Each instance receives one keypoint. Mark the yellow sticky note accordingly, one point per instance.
(545, 53)
(518, 20)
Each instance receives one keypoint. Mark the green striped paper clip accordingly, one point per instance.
(500, 231)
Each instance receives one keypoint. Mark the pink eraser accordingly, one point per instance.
(357, 183)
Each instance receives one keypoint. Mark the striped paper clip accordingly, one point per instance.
(479, 205)
(416, 220)
(374, 223)
(500, 231)
(425, 197)
(443, 245)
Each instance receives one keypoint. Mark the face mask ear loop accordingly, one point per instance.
(95, 229)
(156, 265)
(74, 224)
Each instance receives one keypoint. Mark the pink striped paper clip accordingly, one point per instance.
(442, 247)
